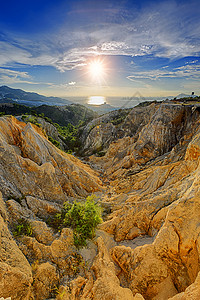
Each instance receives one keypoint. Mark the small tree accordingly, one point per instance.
(83, 218)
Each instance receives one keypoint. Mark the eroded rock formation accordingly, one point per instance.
(150, 194)
(32, 166)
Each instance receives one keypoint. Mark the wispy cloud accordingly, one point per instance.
(10, 54)
(66, 86)
(185, 72)
(13, 73)
(8, 76)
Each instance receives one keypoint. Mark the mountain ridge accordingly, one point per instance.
(18, 95)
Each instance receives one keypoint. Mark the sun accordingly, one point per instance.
(96, 69)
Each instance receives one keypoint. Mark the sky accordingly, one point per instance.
(104, 48)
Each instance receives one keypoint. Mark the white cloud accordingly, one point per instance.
(11, 54)
(67, 86)
(8, 76)
(70, 60)
(13, 73)
(4, 79)
(186, 72)
(113, 46)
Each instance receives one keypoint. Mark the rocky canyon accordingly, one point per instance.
(143, 166)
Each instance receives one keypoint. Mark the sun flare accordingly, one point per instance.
(96, 68)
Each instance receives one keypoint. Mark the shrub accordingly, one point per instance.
(23, 227)
(32, 119)
(55, 142)
(68, 134)
(83, 218)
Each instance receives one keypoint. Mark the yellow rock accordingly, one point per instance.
(191, 293)
(32, 166)
(45, 279)
(15, 271)
(106, 285)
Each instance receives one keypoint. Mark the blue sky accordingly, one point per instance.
(151, 47)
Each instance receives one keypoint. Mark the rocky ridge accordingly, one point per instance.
(32, 166)
(98, 134)
(151, 193)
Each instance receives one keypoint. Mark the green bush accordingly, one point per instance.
(68, 134)
(55, 142)
(32, 119)
(83, 218)
(22, 227)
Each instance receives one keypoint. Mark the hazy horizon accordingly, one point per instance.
(115, 101)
